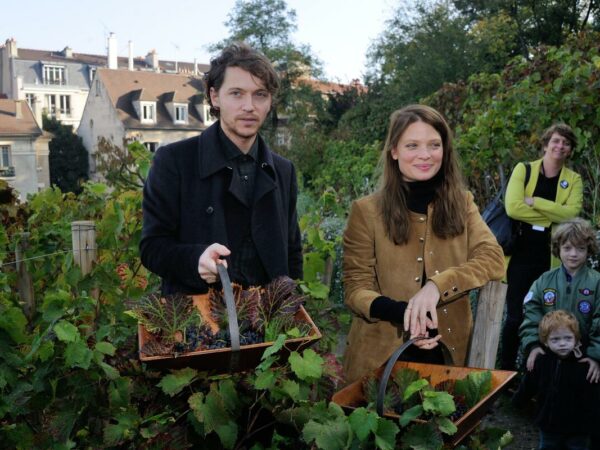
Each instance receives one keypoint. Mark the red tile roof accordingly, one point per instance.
(11, 126)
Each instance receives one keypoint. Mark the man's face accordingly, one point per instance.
(243, 103)
(561, 341)
(573, 256)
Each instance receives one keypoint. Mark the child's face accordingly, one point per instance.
(573, 256)
(561, 341)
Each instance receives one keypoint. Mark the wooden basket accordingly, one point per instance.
(223, 360)
(352, 396)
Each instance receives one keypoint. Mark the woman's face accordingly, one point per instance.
(419, 152)
(558, 148)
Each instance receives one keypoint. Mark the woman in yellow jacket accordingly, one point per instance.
(414, 249)
(553, 193)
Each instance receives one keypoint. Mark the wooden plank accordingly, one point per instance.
(488, 321)
(83, 234)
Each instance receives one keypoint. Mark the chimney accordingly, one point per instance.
(11, 46)
(130, 63)
(112, 51)
(152, 60)
(18, 110)
(67, 52)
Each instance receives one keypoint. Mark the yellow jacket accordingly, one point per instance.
(374, 266)
(545, 213)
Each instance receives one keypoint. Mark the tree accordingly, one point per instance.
(267, 26)
(547, 22)
(68, 157)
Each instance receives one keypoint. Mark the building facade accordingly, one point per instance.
(23, 149)
(152, 108)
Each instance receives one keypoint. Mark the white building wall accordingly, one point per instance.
(160, 137)
(25, 162)
(100, 119)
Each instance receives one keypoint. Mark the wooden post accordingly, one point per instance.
(83, 234)
(24, 282)
(488, 321)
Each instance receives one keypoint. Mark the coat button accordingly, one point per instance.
(445, 311)
(446, 294)
(421, 219)
(263, 165)
(449, 330)
(454, 288)
(419, 259)
(421, 239)
(453, 349)
(417, 279)
(209, 210)
(437, 272)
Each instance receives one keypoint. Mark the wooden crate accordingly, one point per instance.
(223, 360)
(352, 396)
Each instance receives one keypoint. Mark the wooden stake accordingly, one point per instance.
(24, 283)
(488, 321)
(83, 234)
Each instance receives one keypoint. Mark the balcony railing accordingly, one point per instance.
(7, 172)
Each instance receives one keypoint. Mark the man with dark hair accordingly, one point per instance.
(224, 194)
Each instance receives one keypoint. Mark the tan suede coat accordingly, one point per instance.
(374, 266)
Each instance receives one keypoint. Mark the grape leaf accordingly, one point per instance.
(474, 387)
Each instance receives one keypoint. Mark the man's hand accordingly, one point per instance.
(207, 264)
(532, 355)
(593, 375)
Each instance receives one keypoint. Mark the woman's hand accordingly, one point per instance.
(427, 343)
(422, 303)
(533, 354)
(593, 375)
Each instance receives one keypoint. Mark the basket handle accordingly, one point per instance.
(385, 376)
(234, 330)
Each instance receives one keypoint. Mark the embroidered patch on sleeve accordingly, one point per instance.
(586, 291)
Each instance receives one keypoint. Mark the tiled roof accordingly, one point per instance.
(124, 87)
(139, 63)
(11, 126)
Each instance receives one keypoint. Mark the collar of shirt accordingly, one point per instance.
(232, 151)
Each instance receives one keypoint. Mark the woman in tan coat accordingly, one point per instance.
(414, 249)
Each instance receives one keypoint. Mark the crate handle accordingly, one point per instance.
(234, 331)
(392, 361)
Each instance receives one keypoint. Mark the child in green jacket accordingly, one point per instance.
(573, 287)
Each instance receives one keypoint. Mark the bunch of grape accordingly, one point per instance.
(460, 411)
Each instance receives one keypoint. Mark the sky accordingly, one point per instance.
(339, 32)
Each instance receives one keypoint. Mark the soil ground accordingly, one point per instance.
(503, 415)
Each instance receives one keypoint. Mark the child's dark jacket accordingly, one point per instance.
(566, 401)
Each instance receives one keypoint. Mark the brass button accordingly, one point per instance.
(419, 259)
(421, 239)
(417, 279)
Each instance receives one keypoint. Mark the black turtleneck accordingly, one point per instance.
(422, 193)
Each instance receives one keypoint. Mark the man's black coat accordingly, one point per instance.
(191, 201)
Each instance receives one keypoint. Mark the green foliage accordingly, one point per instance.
(474, 387)
(68, 157)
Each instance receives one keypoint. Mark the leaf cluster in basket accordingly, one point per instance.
(400, 395)
(263, 313)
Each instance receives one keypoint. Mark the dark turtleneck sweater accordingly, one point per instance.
(420, 195)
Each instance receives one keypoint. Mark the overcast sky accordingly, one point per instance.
(338, 31)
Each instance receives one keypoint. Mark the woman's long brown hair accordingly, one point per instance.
(449, 205)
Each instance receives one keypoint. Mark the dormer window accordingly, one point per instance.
(181, 113)
(148, 112)
(54, 75)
